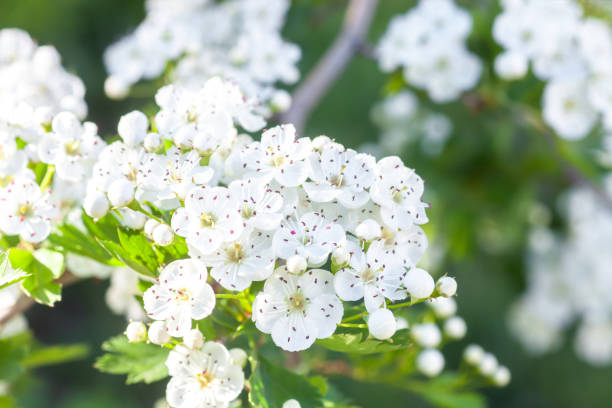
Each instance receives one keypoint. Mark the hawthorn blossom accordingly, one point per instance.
(297, 310)
(180, 295)
(260, 206)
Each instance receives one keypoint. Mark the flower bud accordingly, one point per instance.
(340, 256)
(158, 333)
(419, 283)
(153, 142)
(95, 204)
(455, 328)
(132, 219)
(488, 365)
(320, 141)
(150, 226)
(121, 192)
(430, 362)
(194, 339)
(443, 307)
(296, 264)
(136, 332)
(382, 324)
(133, 128)
(502, 376)
(368, 230)
(426, 335)
(291, 404)
(116, 88)
(163, 235)
(473, 354)
(238, 356)
(446, 286)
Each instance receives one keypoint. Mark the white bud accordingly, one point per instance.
(291, 404)
(116, 88)
(136, 332)
(132, 219)
(121, 192)
(320, 141)
(511, 65)
(281, 100)
(430, 362)
(158, 333)
(473, 354)
(446, 286)
(502, 376)
(238, 356)
(382, 324)
(488, 365)
(455, 328)
(426, 335)
(153, 142)
(150, 226)
(133, 128)
(368, 230)
(296, 264)
(163, 235)
(419, 283)
(443, 307)
(194, 339)
(340, 256)
(95, 204)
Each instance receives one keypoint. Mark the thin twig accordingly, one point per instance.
(348, 43)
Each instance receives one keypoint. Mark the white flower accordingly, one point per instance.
(120, 296)
(426, 335)
(121, 192)
(180, 295)
(136, 332)
(312, 237)
(203, 378)
(443, 307)
(382, 324)
(297, 310)
(511, 65)
(594, 341)
(26, 211)
(132, 128)
(279, 156)
(455, 328)
(12, 160)
(342, 174)
(568, 110)
(260, 206)
(367, 276)
(193, 339)
(158, 334)
(209, 218)
(238, 356)
(96, 204)
(398, 191)
(430, 362)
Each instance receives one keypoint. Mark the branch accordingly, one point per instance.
(348, 43)
(24, 302)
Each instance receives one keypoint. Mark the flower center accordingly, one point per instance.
(338, 181)
(72, 148)
(297, 302)
(388, 235)
(397, 195)
(205, 379)
(368, 275)
(208, 220)
(235, 254)
(247, 212)
(24, 210)
(182, 295)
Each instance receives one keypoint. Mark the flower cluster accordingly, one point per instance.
(428, 44)
(239, 40)
(568, 281)
(571, 53)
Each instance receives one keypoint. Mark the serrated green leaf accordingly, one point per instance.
(55, 354)
(71, 239)
(39, 284)
(141, 362)
(9, 276)
(139, 249)
(354, 343)
(104, 229)
(271, 386)
(53, 260)
(124, 256)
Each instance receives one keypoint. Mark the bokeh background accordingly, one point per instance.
(482, 188)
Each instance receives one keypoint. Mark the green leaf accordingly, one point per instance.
(104, 229)
(9, 276)
(354, 343)
(12, 350)
(271, 386)
(71, 239)
(43, 267)
(54, 261)
(141, 362)
(55, 354)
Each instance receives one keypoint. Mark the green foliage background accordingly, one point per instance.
(481, 189)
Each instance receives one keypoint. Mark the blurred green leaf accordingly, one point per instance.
(12, 350)
(43, 267)
(141, 362)
(71, 239)
(55, 354)
(354, 343)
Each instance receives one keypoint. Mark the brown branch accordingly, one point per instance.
(348, 43)
(24, 302)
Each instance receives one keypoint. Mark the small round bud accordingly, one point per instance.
(419, 283)
(446, 286)
(443, 307)
(238, 356)
(150, 226)
(426, 335)
(382, 324)
(291, 404)
(163, 235)
(116, 88)
(368, 230)
(136, 332)
(132, 219)
(340, 256)
(488, 365)
(133, 128)
(121, 192)
(194, 339)
(455, 328)
(502, 376)
(430, 362)
(281, 101)
(296, 264)
(153, 142)
(473, 354)
(158, 333)
(95, 204)
(320, 141)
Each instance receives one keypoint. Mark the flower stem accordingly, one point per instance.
(228, 296)
(46, 181)
(360, 326)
